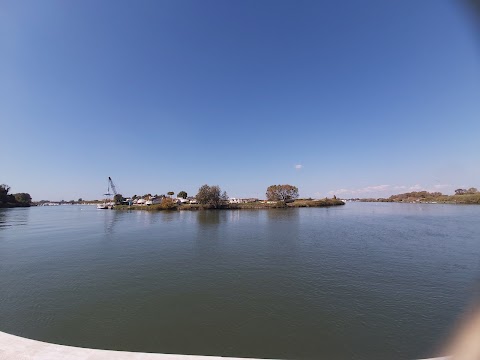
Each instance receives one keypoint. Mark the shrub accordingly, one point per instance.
(168, 204)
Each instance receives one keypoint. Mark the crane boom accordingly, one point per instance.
(112, 186)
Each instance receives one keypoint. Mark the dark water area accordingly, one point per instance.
(360, 281)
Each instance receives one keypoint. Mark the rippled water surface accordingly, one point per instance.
(361, 281)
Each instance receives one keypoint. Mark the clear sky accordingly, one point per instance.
(356, 98)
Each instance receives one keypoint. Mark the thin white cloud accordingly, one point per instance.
(362, 191)
(298, 166)
(339, 192)
(441, 186)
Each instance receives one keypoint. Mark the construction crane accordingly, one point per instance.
(112, 186)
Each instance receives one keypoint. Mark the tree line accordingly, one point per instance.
(13, 200)
(207, 195)
(470, 191)
(461, 196)
(212, 195)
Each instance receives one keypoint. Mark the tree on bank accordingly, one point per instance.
(211, 196)
(118, 198)
(182, 194)
(9, 200)
(283, 193)
(23, 198)
(4, 197)
(4, 189)
(168, 204)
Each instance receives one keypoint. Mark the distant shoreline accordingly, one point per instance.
(424, 197)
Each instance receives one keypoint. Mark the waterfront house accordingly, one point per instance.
(157, 199)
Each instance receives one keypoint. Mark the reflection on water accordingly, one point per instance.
(211, 217)
(164, 216)
(3, 218)
(14, 217)
(111, 217)
(364, 281)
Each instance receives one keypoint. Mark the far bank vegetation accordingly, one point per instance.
(461, 196)
(212, 197)
(13, 200)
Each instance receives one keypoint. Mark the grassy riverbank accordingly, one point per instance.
(246, 206)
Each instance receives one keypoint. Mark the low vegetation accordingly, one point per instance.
(167, 204)
(316, 203)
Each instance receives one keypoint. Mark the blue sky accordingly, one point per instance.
(356, 98)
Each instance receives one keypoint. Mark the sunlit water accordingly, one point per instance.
(361, 281)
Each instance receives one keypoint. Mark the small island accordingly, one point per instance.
(212, 197)
(8, 200)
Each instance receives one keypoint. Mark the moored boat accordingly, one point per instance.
(107, 203)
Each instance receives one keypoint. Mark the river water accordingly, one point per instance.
(360, 281)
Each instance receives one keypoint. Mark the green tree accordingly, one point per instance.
(211, 196)
(23, 198)
(282, 193)
(118, 198)
(182, 194)
(80, 200)
(170, 193)
(4, 189)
